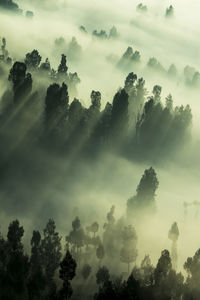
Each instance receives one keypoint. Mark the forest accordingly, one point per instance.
(99, 156)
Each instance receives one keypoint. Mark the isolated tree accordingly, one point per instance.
(173, 235)
(113, 34)
(86, 271)
(66, 273)
(144, 200)
(128, 253)
(169, 12)
(94, 228)
(157, 92)
(33, 60)
(100, 252)
(62, 68)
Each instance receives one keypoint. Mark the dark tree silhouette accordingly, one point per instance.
(119, 116)
(22, 82)
(56, 108)
(102, 275)
(66, 273)
(173, 235)
(51, 254)
(33, 60)
(100, 252)
(144, 200)
(86, 271)
(36, 280)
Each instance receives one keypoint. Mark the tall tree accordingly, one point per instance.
(51, 254)
(128, 252)
(66, 273)
(173, 235)
(144, 200)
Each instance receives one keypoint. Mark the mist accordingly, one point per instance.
(67, 172)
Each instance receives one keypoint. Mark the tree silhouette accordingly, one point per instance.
(144, 200)
(173, 236)
(128, 253)
(51, 254)
(66, 273)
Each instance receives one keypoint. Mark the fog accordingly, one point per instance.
(93, 187)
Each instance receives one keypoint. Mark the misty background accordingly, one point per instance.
(93, 187)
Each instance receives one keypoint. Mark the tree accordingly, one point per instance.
(105, 124)
(172, 71)
(73, 80)
(113, 34)
(100, 252)
(173, 235)
(169, 12)
(192, 267)
(62, 68)
(17, 265)
(51, 251)
(128, 59)
(157, 92)
(119, 116)
(45, 66)
(94, 228)
(145, 274)
(33, 60)
(66, 273)
(102, 275)
(36, 281)
(141, 8)
(56, 108)
(128, 252)
(15, 234)
(86, 271)
(169, 102)
(22, 82)
(76, 238)
(163, 267)
(168, 284)
(144, 200)
(129, 82)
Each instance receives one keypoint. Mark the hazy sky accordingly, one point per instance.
(175, 41)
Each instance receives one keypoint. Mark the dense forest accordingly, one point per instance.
(99, 155)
